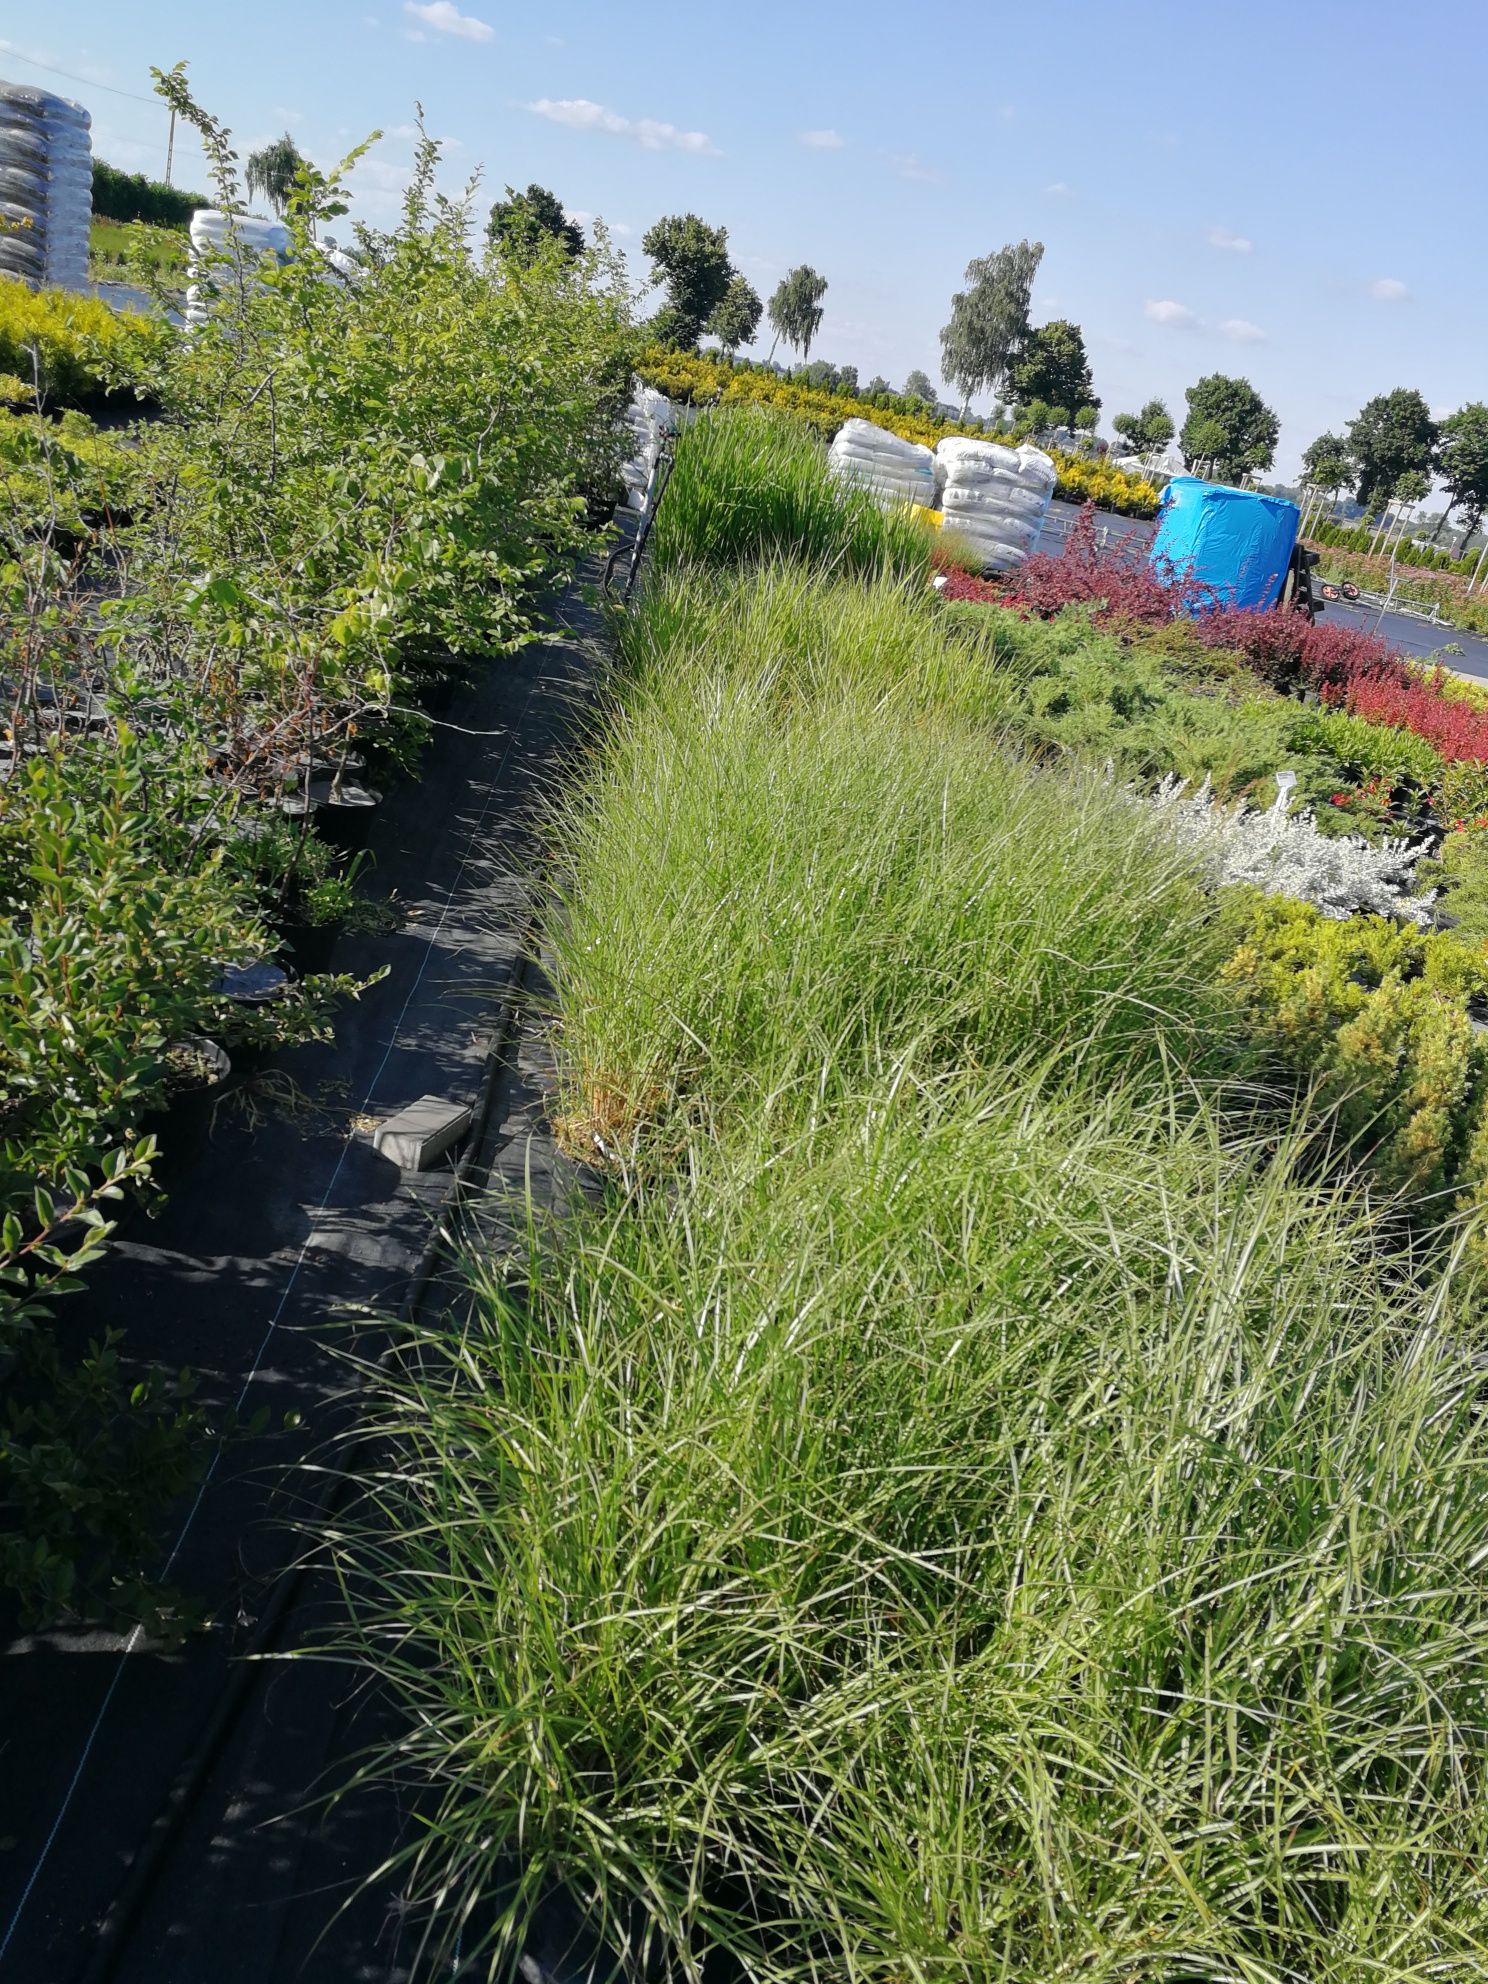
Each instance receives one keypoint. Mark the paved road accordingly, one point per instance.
(1401, 630)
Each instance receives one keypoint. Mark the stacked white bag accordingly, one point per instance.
(895, 471)
(46, 187)
(995, 498)
(222, 243)
(649, 416)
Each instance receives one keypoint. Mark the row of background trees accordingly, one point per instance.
(1390, 452)
(1393, 448)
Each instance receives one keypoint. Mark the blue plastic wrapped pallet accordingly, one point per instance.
(1231, 542)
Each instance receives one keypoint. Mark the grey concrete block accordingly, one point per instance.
(419, 1135)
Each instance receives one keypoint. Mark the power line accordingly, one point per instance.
(14, 55)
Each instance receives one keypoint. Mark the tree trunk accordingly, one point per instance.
(1441, 523)
(773, 342)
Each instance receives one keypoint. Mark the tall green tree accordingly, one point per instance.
(1412, 488)
(878, 384)
(737, 316)
(522, 222)
(1052, 365)
(1229, 423)
(1462, 460)
(690, 261)
(1392, 434)
(988, 323)
(1327, 465)
(1151, 428)
(796, 308)
(273, 171)
(918, 386)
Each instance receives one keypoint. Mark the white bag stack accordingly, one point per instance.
(649, 416)
(46, 187)
(995, 498)
(222, 243)
(895, 471)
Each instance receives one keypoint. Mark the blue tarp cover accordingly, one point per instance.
(1232, 540)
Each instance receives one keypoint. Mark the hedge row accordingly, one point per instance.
(1359, 537)
(131, 196)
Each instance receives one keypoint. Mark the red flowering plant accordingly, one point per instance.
(1369, 805)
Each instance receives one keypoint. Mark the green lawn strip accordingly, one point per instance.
(114, 246)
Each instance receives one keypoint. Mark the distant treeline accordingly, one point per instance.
(130, 196)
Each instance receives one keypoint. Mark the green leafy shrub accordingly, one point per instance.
(352, 482)
(119, 918)
(60, 478)
(1359, 749)
(356, 480)
(1463, 794)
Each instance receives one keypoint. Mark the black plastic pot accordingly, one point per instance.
(345, 810)
(435, 693)
(192, 1095)
(310, 945)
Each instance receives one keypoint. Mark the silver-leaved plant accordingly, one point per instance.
(1284, 854)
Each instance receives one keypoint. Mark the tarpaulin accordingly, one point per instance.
(1231, 541)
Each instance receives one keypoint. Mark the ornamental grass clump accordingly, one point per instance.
(835, 884)
(985, 1537)
(965, 1499)
(751, 483)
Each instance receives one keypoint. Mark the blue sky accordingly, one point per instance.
(1280, 190)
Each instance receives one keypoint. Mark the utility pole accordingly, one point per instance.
(170, 146)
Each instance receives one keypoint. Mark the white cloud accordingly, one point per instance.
(1388, 289)
(1242, 331)
(652, 135)
(1165, 311)
(909, 166)
(445, 18)
(1221, 237)
(290, 116)
(381, 176)
(823, 141)
(586, 219)
(1058, 190)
